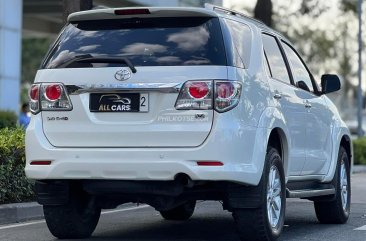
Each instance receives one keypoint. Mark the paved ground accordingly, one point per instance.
(209, 223)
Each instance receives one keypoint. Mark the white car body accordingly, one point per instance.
(162, 142)
(155, 146)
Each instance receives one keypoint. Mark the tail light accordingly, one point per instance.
(34, 98)
(205, 95)
(195, 95)
(49, 97)
(227, 95)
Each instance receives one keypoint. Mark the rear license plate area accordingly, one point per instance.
(119, 102)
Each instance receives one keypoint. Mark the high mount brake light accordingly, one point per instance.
(201, 95)
(136, 11)
(49, 97)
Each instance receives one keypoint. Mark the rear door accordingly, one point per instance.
(319, 119)
(114, 107)
(289, 101)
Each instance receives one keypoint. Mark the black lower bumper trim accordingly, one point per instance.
(52, 192)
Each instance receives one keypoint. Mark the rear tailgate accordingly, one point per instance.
(91, 58)
(161, 126)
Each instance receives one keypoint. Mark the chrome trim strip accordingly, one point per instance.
(128, 87)
(309, 193)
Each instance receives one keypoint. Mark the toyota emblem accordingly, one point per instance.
(122, 75)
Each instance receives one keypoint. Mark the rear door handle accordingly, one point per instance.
(307, 104)
(277, 96)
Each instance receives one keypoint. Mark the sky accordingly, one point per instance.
(231, 3)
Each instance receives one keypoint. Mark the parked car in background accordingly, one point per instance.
(167, 106)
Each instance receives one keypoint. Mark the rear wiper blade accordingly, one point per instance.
(87, 58)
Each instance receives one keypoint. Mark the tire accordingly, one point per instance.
(253, 224)
(75, 220)
(337, 210)
(180, 213)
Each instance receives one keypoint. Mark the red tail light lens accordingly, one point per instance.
(227, 95)
(198, 90)
(53, 92)
(34, 92)
(225, 90)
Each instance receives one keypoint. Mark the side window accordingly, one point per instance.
(275, 59)
(241, 38)
(299, 72)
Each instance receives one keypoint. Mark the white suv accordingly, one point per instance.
(167, 106)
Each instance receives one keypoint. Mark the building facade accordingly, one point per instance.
(10, 53)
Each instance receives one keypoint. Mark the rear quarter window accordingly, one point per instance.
(276, 62)
(145, 42)
(240, 35)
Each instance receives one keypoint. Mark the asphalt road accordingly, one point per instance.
(209, 223)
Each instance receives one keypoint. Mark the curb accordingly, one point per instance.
(20, 212)
(359, 169)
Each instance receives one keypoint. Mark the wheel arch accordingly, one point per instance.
(346, 143)
(341, 137)
(278, 140)
(273, 120)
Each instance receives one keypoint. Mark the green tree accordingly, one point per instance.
(263, 11)
(33, 52)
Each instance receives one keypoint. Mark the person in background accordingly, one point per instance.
(24, 118)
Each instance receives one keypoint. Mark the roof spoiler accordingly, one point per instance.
(140, 12)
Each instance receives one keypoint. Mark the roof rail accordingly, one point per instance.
(231, 12)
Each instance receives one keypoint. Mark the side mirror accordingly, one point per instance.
(330, 83)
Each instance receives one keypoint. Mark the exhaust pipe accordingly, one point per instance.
(184, 179)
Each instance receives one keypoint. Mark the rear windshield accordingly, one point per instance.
(145, 42)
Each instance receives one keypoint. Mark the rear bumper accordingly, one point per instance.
(240, 148)
(162, 195)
